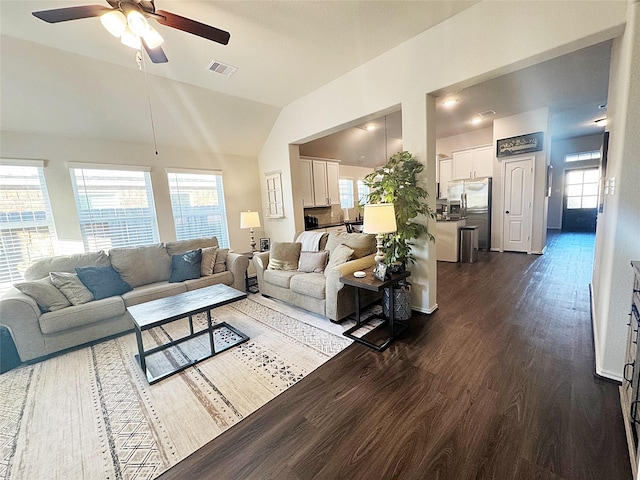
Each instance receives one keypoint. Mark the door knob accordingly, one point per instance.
(507, 211)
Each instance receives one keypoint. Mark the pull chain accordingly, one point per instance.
(141, 65)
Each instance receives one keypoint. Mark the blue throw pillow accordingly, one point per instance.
(185, 266)
(103, 282)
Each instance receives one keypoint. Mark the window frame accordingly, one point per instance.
(220, 232)
(10, 231)
(126, 236)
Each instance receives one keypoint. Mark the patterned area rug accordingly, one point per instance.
(90, 413)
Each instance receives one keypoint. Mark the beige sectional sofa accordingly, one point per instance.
(146, 268)
(321, 292)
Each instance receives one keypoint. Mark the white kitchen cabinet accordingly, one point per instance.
(333, 183)
(445, 176)
(306, 183)
(320, 189)
(319, 182)
(472, 163)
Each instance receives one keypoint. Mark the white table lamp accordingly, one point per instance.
(380, 219)
(250, 220)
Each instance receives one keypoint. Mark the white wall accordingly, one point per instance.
(618, 228)
(559, 149)
(240, 177)
(482, 42)
(529, 122)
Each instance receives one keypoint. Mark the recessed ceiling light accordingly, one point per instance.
(450, 103)
(371, 127)
(476, 120)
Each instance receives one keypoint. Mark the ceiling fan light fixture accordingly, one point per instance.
(114, 22)
(130, 39)
(152, 38)
(137, 23)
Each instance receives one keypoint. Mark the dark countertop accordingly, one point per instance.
(449, 219)
(334, 224)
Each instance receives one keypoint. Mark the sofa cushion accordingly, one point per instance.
(361, 243)
(46, 295)
(284, 256)
(208, 260)
(220, 264)
(313, 262)
(185, 266)
(65, 263)
(225, 278)
(103, 282)
(181, 246)
(81, 315)
(153, 291)
(311, 284)
(141, 265)
(280, 278)
(72, 287)
(338, 256)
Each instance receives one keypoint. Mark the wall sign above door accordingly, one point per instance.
(507, 147)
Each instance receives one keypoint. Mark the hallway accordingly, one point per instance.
(496, 384)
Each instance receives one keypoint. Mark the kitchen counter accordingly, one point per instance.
(330, 225)
(448, 239)
(450, 219)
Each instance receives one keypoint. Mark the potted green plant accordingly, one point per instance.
(397, 182)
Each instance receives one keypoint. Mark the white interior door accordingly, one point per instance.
(516, 217)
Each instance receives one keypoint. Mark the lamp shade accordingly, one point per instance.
(379, 218)
(249, 220)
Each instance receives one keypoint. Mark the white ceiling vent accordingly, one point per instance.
(486, 113)
(222, 68)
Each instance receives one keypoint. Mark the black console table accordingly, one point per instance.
(369, 282)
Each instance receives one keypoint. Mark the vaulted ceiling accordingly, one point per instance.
(74, 79)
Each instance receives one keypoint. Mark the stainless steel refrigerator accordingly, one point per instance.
(474, 195)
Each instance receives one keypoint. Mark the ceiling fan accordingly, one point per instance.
(127, 19)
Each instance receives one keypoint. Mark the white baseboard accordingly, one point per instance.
(425, 310)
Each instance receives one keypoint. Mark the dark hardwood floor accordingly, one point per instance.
(497, 384)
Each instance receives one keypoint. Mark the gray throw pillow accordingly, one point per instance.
(284, 256)
(208, 260)
(185, 266)
(362, 244)
(103, 282)
(340, 254)
(71, 286)
(220, 264)
(48, 297)
(313, 262)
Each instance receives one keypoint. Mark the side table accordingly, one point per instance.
(250, 282)
(369, 282)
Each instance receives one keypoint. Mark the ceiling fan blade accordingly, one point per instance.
(191, 26)
(70, 13)
(156, 55)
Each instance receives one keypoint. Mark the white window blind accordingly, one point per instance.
(115, 208)
(346, 192)
(197, 201)
(26, 224)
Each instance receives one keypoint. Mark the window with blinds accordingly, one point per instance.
(363, 192)
(26, 224)
(346, 192)
(115, 207)
(197, 201)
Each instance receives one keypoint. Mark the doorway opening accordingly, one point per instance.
(580, 204)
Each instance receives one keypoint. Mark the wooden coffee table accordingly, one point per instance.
(158, 363)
